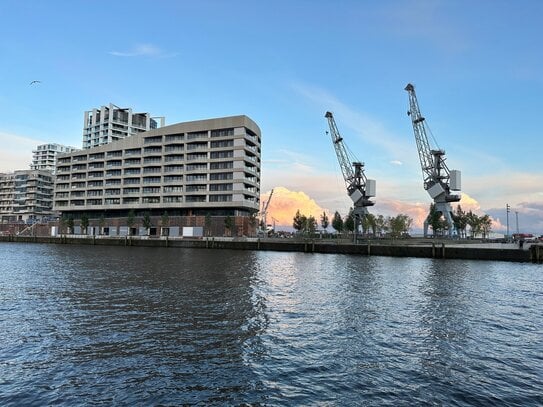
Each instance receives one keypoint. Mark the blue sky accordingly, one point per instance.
(477, 67)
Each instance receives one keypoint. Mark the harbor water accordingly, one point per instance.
(98, 325)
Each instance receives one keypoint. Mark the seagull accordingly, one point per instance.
(33, 82)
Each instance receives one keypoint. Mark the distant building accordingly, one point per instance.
(26, 195)
(112, 123)
(200, 168)
(44, 157)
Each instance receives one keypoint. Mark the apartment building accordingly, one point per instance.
(44, 157)
(205, 167)
(25, 195)
(111, 123)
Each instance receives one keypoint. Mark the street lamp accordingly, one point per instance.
(516, 215)
(507, 210)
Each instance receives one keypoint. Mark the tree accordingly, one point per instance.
(399, 225)
(228, 224)
(299, 221)
(474, 223)
(368, 222)
(486, 225)
(70, 224)
(310, 225)
(435, 221)
(324, 221)
(460, 221)
(207, 224)
(337, 222)
(130, 221)
(84, 223)
(146, 221)
(101, 223)
(63, 223)
(381, 226)
(165, 220)
(349, 221)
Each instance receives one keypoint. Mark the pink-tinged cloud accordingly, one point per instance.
(284, 203)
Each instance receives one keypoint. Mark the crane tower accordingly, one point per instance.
(359, 188)
(438, 180)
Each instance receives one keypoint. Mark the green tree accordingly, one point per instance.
(130, 221)
(299, 221)
(381, 226)
(460, 221)
(146, 221)
(324, 221)
(368, 222)
(228, 224)
(207, 224)
(70, 224)
(349, 221)
(101, 223)
(84, 223)
(474, 223)
(165, 220)
(486, 225)
(310, 225)
(399, 225)
(337, 222)
(63, 223)
(435, 220)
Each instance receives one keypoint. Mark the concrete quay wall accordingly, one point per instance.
(396, 249)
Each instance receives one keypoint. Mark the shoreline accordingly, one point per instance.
(442, 249)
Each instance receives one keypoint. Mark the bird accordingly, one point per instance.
(33, 82)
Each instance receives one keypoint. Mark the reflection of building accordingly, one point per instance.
(207, 167)
(25, 195)
(44, 157)
(111, 123)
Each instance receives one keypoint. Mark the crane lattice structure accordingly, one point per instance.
(438, 179)
(359, 188)
(264, 213)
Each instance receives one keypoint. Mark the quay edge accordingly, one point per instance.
(439, 250)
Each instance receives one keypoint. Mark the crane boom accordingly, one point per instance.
(359, 188)
(438, 179)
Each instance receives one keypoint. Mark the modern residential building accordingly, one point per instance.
(26, 195)
(199, 168)
(44, 157)
(111, 123)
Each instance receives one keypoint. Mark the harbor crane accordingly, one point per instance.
(264, 213)
(438, 180)
(359, 188)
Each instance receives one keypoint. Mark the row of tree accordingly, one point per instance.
(397, 226)
(393, 226)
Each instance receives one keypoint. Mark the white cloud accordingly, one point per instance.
(144, 50)
(396, 162)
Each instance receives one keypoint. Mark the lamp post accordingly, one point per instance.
(507, 209)
(516, 215)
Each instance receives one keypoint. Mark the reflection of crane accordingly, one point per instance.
(438, 180)
(264, 212)
(359, 188)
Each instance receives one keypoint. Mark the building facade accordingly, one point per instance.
(44, 157)
(26, 195)
(200, 168)
(112, 123)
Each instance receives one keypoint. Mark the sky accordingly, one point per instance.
(477, 67)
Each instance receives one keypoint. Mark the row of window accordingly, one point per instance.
(144, 200)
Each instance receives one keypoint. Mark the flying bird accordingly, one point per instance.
(33, 82)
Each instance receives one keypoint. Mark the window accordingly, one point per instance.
(128, 191)
(222, 154)
(221, 165)
(195, 198)
(151, 190)
(196, 167)
(172, 199)
(175, 157)
(129, 181)
(173, 189)
(175, 137)
(195, 188)
(150, 199)
(220, 198)
(221, 176)
(196, 135)
(222, 133)
(196, 177)
(173, 178)
(151, 180)
(220, 187)
(152, 139)
(223, 143)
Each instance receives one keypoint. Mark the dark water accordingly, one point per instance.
(144, 326)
